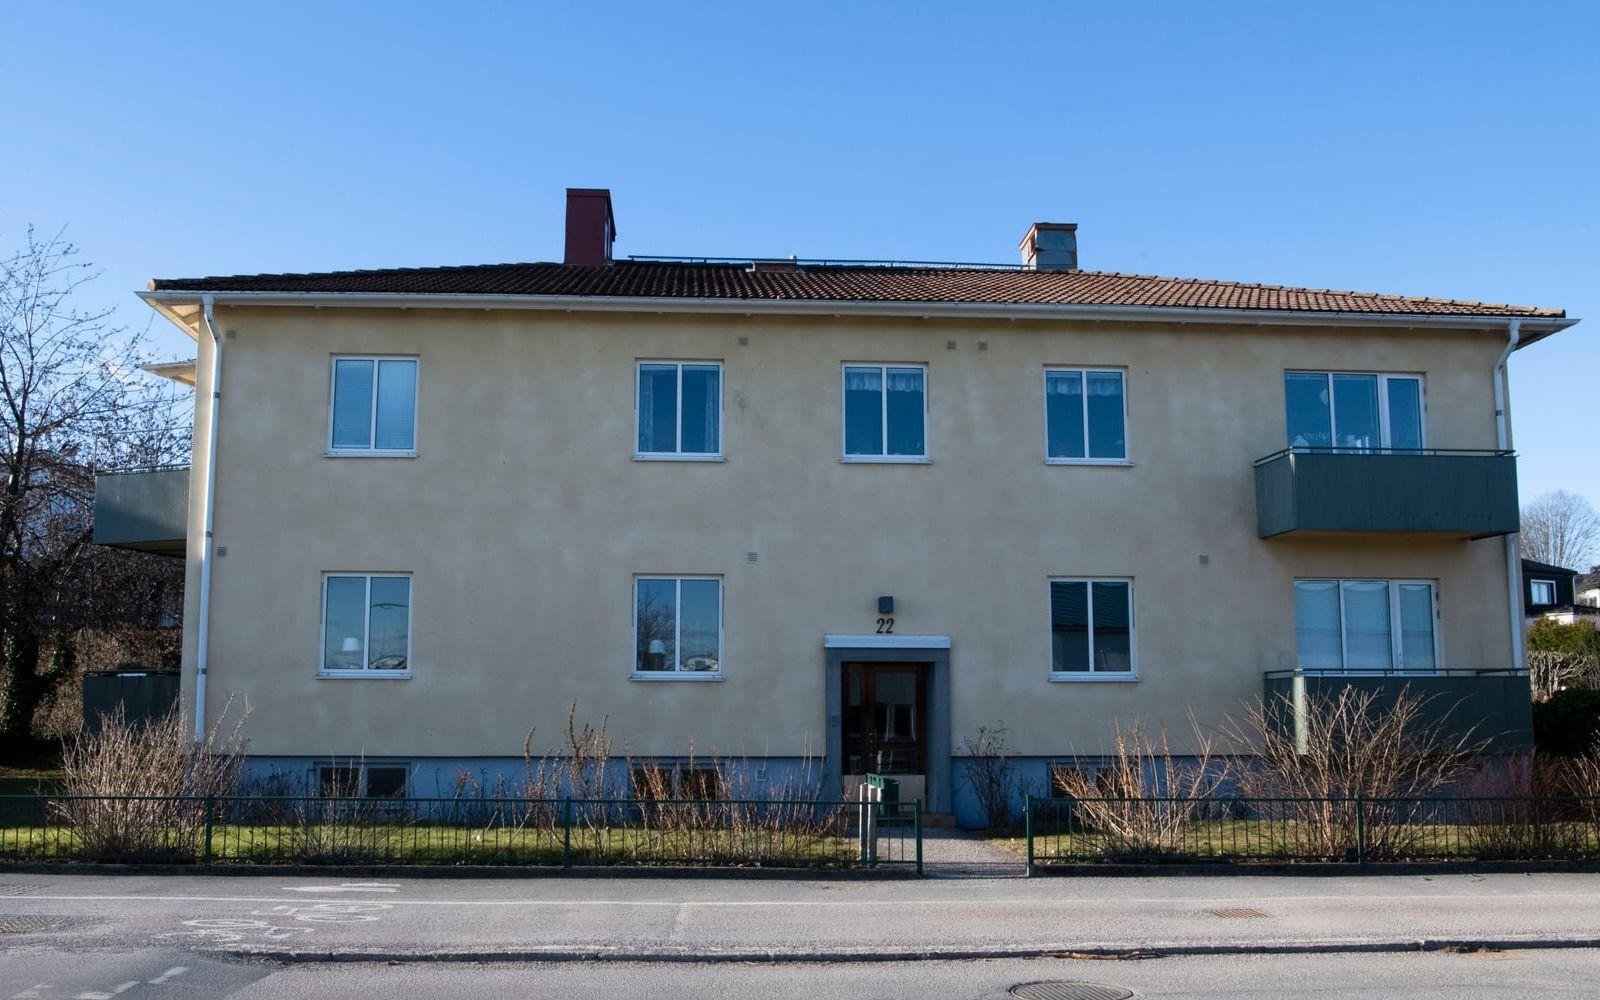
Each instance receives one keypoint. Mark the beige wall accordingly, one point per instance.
(524, 518)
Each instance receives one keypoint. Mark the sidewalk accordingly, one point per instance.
(722, 919)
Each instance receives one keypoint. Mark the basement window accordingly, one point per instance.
(372, 781)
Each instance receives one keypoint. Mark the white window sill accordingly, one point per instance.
(1091, 677)
(363, 675)
(886, 460)
(702, 677)
(1116, 462)
(654, 457)
(368, 453)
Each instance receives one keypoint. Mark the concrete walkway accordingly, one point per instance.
(951, 853)
(552, 919)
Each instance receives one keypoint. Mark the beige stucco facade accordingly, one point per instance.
(524, 517)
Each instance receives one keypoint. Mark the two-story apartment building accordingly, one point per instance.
(826, 517)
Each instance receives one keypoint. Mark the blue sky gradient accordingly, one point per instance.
(1445, 149)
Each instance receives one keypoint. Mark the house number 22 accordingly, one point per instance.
(885, 626)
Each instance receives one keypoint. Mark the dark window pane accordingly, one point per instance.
(1106, 434)
(700, 628)
(658, 409)
(656, 621)
(1405, 412)
(1063, 400)
(1113, 627)
(390, 625)
(863, 411)
(352, 404)
(339, 782)
(702, 400)
(1310, 419)
(1069, 626)
(386, 782)
(397, 405)
(905, 392)
(1355, 411)
(344, 623)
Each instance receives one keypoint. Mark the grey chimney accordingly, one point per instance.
(1051, 246)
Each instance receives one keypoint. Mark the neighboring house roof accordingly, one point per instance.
(1530, 566)
(1587, 581)
(846, 282)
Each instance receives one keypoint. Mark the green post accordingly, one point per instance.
(566, 832)
(211, 809)
(916, 819)
(1361, 830)
(1027, 829)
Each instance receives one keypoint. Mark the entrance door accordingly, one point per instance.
(884, 725)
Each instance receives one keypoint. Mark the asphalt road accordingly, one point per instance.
(1549, 975)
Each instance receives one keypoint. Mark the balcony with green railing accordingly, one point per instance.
(1493, 707)
(143, 509)
(1466, 494)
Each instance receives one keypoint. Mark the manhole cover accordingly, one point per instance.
(16, 889)
(1238, 912)
(26, 924)
(1062, 990)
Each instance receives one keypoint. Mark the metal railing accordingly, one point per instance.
(1341, 830)
(321, 830)
(1282, 673)
(1308, 449)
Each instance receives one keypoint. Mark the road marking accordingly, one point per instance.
(32, 993)
(172, 973)
(115, 990)
(345, 887)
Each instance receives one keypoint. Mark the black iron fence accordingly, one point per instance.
(313, 830)
(1352, 830)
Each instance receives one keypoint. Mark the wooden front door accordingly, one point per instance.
(884, 724)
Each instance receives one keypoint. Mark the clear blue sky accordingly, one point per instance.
(1445, 149)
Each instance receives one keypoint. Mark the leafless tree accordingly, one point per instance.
(1561, 529)
(72, 402)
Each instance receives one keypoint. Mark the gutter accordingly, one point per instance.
(207, 545)
(162, 300)
(1502, 427)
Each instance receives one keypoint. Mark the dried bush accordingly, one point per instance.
(1143, 796)
(138, 789)
(989, 769)
(1551, 671)
(1347, 746)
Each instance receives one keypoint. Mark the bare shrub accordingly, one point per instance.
(1349, 746)
(1520, 806)
(1551, 670)
(1143, 797)
(989, 769)
(138, 789)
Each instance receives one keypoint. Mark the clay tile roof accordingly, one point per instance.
(846, 283)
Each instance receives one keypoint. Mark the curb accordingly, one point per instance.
(779, 956)
(1313, 869)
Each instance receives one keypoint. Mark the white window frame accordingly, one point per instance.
(1533, 594)
(885, 458)
(1396, 646)
(677, 673)
(1385, 434)
(680, 455)
(365, 673)
(1083, 372)
(1092, 675)
(372, 417)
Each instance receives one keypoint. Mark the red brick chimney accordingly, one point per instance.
(590, 227)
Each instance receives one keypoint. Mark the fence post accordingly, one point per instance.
(1027, 829)
(1361, 829)
(205, 848)
(916, 816)
(566, 832)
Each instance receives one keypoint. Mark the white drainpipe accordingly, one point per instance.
(207, 553)
(1502, 426)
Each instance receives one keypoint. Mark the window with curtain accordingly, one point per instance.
(366, 623)
(1085, 416)
(678, 410)
(1366, 626)
(1362, 412)
(374, 406)
(677, 625)
(885, 412)
(1091, 627)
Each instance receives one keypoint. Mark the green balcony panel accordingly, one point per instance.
(147, 510)
(1470, 494)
